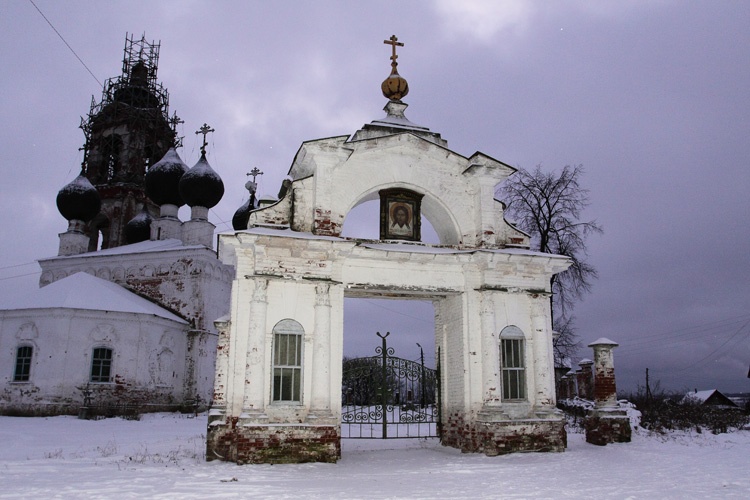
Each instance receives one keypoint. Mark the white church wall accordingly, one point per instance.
(148, 365)
(200, 359)
(188, 280)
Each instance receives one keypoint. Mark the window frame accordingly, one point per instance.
(287, 373)
(96, 378)
(512, 359)
(24, 374)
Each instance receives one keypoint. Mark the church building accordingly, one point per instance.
(277, 393)
(123, 319)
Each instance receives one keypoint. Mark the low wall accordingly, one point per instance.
(503, 436)
(273, 443)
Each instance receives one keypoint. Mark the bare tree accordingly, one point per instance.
(548, 206)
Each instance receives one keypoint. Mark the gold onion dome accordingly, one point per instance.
(395, 86)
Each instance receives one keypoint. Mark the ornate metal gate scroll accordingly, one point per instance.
(388, 397)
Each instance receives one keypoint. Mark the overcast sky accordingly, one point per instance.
(652, 97)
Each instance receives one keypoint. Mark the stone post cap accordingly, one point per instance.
(603, 342)
(585, 361)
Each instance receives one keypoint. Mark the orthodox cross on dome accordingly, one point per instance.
(393, 42)
(254, 172)
(395, 86)
(173, 122)
(205, 129)
(84, 162)
(251, 186)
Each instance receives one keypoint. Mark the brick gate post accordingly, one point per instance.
(606, 423)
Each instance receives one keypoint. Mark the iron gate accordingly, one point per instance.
(388, 397)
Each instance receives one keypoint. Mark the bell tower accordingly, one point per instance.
(126, 132)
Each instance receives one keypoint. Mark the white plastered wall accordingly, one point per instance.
(345, 174)
(63, 340)
(476, 295)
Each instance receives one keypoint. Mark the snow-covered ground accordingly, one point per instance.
(161, 456)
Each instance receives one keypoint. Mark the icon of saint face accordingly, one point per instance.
(401, 216)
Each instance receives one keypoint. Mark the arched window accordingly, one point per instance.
(513, 363)
(23, 363)
(98, 226)
(287, 361)
(101, 365)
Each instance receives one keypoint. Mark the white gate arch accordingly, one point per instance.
(292, 263)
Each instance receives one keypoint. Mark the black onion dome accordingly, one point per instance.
(163, 179)
(139, 227)
(201, 186)
(239, 220)
(241, 216)
(79, 200)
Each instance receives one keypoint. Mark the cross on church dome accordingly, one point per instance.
(395, 86)
(393, 42)
(205, 129)
(174, 122)
(255, 172)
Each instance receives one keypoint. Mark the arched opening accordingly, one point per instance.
(363, 222)
(439, 226)
(99, 225)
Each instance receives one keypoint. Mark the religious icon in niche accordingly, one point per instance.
(400, 215)
(401, 219)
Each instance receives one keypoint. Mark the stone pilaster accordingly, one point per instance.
(544, 380)
(321, 372)
(255, 370)
(219, 400)
(490, 352)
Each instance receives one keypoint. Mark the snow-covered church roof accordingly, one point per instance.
(86, 292)
(148, 246)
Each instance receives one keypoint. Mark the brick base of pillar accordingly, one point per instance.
(504, 436)
(272, 444)
(604, 427)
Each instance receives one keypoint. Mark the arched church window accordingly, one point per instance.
(22, 372)
(98, 230)
(513, 363)
(101, 365)
(287, 361)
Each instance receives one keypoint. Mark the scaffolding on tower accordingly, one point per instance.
(135, 99)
